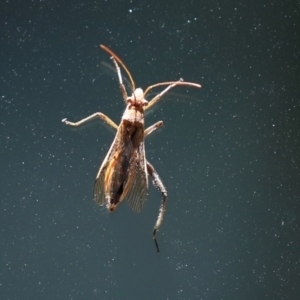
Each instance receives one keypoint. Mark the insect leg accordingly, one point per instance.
(159, 185)
(109, 121)
(91, 117)
(157, 97)
(170, 84)
(150, 129)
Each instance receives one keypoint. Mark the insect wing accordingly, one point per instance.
(136, 196)
(99, 191)
(99, 187)
(112, 182)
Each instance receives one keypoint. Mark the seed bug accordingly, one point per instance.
(123, 174)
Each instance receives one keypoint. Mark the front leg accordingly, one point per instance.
(157, 97)
(159, 185)
(91, 117)
(153, 127)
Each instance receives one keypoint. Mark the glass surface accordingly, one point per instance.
(228, 153)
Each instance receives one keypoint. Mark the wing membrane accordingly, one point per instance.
(136, 196)
(99, 187)
(99, 190)
(135, 185)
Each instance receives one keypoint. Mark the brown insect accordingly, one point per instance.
(124, 171)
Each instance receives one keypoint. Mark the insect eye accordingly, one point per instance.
(129, 100)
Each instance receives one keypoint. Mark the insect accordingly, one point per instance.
(124, 172)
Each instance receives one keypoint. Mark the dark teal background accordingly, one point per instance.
(228, 154)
